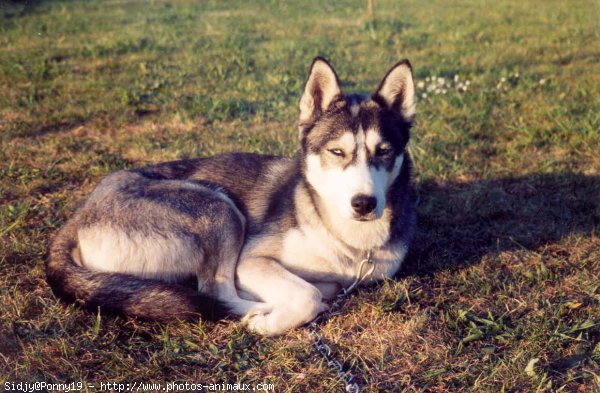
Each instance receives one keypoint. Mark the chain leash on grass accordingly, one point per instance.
(346, 375)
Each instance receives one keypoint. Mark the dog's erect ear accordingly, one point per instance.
(397, 91)
(321, 89)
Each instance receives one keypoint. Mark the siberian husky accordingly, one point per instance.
(266, 238)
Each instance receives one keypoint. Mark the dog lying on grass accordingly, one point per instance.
(266, 238)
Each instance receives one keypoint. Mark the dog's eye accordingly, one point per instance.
(336, 152)
(383, 151)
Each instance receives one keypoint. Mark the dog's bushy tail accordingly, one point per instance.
(117, 293)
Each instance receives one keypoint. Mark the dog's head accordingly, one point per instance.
(354, 145)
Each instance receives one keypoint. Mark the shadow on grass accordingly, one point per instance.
(459, 223)
(18, 8)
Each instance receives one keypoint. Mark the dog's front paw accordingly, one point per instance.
(257, 321)
(281, 319)
(258, 310)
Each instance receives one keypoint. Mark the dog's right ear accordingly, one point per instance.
(321, 90)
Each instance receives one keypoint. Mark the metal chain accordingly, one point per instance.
(347, 375)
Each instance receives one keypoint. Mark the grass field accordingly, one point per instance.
(501, 292)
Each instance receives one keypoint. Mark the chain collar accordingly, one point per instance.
(346, 374)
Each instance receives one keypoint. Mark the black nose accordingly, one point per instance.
(363, 204)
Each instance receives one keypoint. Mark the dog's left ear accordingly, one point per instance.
(397, 91)
(321, 90)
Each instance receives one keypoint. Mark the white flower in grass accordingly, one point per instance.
(542, 81)
(441, 85)
(503, 80)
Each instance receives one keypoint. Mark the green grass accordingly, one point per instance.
(501, 291)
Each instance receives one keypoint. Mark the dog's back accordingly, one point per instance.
(143, 233)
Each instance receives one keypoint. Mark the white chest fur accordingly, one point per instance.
(317, 256)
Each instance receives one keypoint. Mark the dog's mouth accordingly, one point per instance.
(366, 218)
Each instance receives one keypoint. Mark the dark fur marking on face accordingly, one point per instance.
(371, 115)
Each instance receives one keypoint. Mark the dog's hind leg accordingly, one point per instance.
(225, 287)
(225, 259)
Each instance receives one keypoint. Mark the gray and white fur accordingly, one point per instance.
(266, 238)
